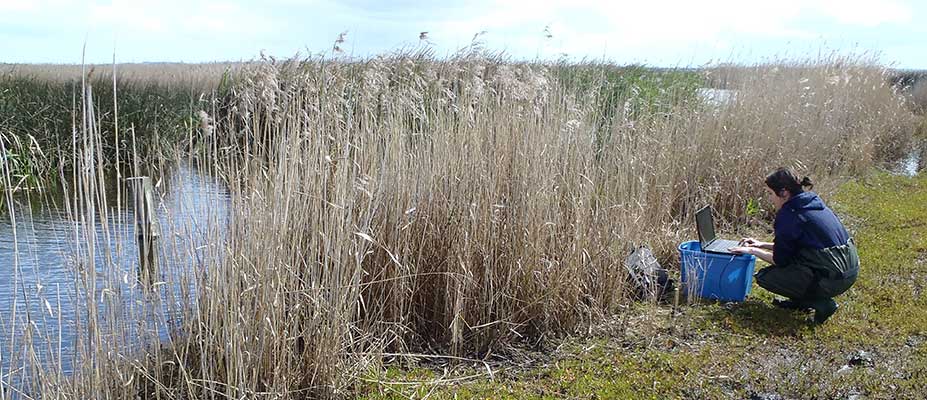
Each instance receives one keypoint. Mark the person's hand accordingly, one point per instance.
(750, 242)
(741, 250)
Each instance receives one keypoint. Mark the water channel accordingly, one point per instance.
(46, 284)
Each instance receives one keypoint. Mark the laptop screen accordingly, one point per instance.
(704, 224)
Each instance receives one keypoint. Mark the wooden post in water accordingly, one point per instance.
(147, 228)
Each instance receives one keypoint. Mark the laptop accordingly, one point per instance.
(706, 233)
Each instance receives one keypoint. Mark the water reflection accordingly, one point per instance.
(67, 273)
(916, 161)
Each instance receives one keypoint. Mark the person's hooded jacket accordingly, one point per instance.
(804, 222)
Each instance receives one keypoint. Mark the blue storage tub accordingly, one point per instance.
(715, 276)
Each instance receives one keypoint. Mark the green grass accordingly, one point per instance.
(717, 350)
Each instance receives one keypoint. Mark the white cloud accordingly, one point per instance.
(130, 15)
(38, 12)
(32, 6)
(657, 31)
(591, 27)
(588, 27)
(179, 18)
(865, 13)
(12, 6)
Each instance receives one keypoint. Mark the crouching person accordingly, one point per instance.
(813, 257)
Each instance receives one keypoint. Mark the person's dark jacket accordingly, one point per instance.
(804, 222)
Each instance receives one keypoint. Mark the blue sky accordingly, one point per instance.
(652, 32)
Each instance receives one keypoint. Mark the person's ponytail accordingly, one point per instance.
(806, 183)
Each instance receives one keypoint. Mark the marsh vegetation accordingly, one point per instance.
(397, 205)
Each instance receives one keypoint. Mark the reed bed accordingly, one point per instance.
(918, 96)
(455, 207)
(40, 104)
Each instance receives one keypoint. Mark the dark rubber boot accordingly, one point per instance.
(823, 309)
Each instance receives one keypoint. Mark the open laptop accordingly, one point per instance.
(705, 225)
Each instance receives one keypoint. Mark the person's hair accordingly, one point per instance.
(786, 179)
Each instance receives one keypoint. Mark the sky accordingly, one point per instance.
(651, 32)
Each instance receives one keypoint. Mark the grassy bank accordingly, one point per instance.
(748, 350)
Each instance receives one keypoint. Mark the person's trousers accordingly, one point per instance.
(815, 274)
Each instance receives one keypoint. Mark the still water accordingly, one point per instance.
(69, 279)
(916, 160)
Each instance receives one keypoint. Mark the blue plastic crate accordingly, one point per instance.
(715, 276)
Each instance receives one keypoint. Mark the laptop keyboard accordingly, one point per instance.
(722, 245)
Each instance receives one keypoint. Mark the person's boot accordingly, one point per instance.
(823, 309)
(791, 304)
